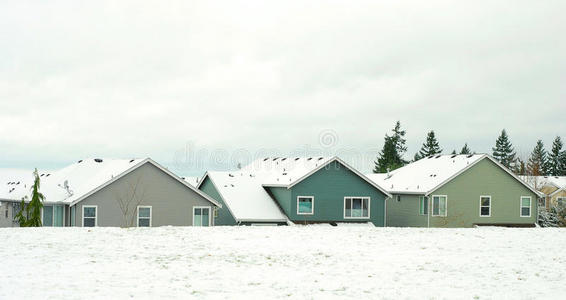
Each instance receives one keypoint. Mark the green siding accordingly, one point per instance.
(405, 213)
(484, 178)
(283, 197)
(224, 216)
(329, 186)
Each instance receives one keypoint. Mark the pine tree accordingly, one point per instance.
(465, 149)
(430, 147)
(537, 165)
(391, 156)
(453, 152)
(556, 159)
(504, 151)
(32, 216)
(520, 167)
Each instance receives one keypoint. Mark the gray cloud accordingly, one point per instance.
(82, 79)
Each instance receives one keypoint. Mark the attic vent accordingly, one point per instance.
(469, 155)
(98, 160)
(320, 158)
(430, 157)
(284, 159)
(438, 156)
(453, 155)
(132, 160)
(296, 159)
(284, 174)
(47, 175)
(80, 161)
(231, 175)
(310, 158)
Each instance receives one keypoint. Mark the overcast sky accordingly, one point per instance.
(236, 79)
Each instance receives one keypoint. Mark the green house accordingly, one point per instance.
(299, 190)
(458, 191)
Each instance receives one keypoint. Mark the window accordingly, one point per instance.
(73, 213)
(542, 202)
(525, 206)
(90, 215)
(53, 215)
(144, 216)
(398, 197)
(560, 201)
(423, 205)
(201, 216)
(439, 206)
(356, 207)
(485, 206)
(305, 205)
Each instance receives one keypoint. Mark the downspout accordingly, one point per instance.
(428, 212)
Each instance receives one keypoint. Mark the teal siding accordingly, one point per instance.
(283, 197)
(329, 186)
(224, 216)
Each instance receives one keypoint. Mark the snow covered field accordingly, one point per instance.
(283, 262)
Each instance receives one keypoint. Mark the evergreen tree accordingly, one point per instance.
(537, 165)
(504, 151)
(520, 167)
(556, 159)
(453, 152)
(391, 156)
(416, 157)
(465, 149)
(430, 147)
(32, 216)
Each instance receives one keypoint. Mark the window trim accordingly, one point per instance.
(95, 214)
(150, 215)
(312, 208)
(209, 215)
(521, 206)
(358, 197)
(432, 206)
(481, 206)
(425, 211)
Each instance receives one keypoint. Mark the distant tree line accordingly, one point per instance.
(539, 163)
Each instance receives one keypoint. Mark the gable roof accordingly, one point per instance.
(429, 174)
(559, 182)
(288, 172)
(85, 178)
(244, 193)
(245, 197)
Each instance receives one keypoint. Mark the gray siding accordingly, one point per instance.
(405, 213)
(172, 202)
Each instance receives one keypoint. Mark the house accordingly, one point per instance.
(110, 192)
(457, 191)
(299, 190)
(553, 188)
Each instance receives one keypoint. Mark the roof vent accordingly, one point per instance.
(47, 175)
(41, 175)
(469, 155)
(310, 158)
(132, 160)
(98, 160)
(80, 161)
(265, 159)
(231, 175)
(18, 183)
(296, 159)
(438, 156)
(275, 159)
(284, 159)
(430, 157)
(232, 185)
(453, 155)
(320, 158)
(284, 174)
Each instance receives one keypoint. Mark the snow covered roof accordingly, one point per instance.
(428, 174)
(245, 197)
(192, 180)
(540, 181)
(83, 178)
(12, 181)
(243, 191)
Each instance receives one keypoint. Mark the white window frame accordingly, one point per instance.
(95, 214)
(357, 197)
(305, 197)
(521, 206)
(432, 206)
(481, 206)
(150, 215)
(209, 215)
(425, 211)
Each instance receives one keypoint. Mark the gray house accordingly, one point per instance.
(109, 192)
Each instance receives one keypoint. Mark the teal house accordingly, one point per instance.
(300, 190)
(458, 191)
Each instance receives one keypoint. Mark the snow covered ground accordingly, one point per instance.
(283, 262)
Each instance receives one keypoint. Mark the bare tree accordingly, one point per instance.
(129, 200)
